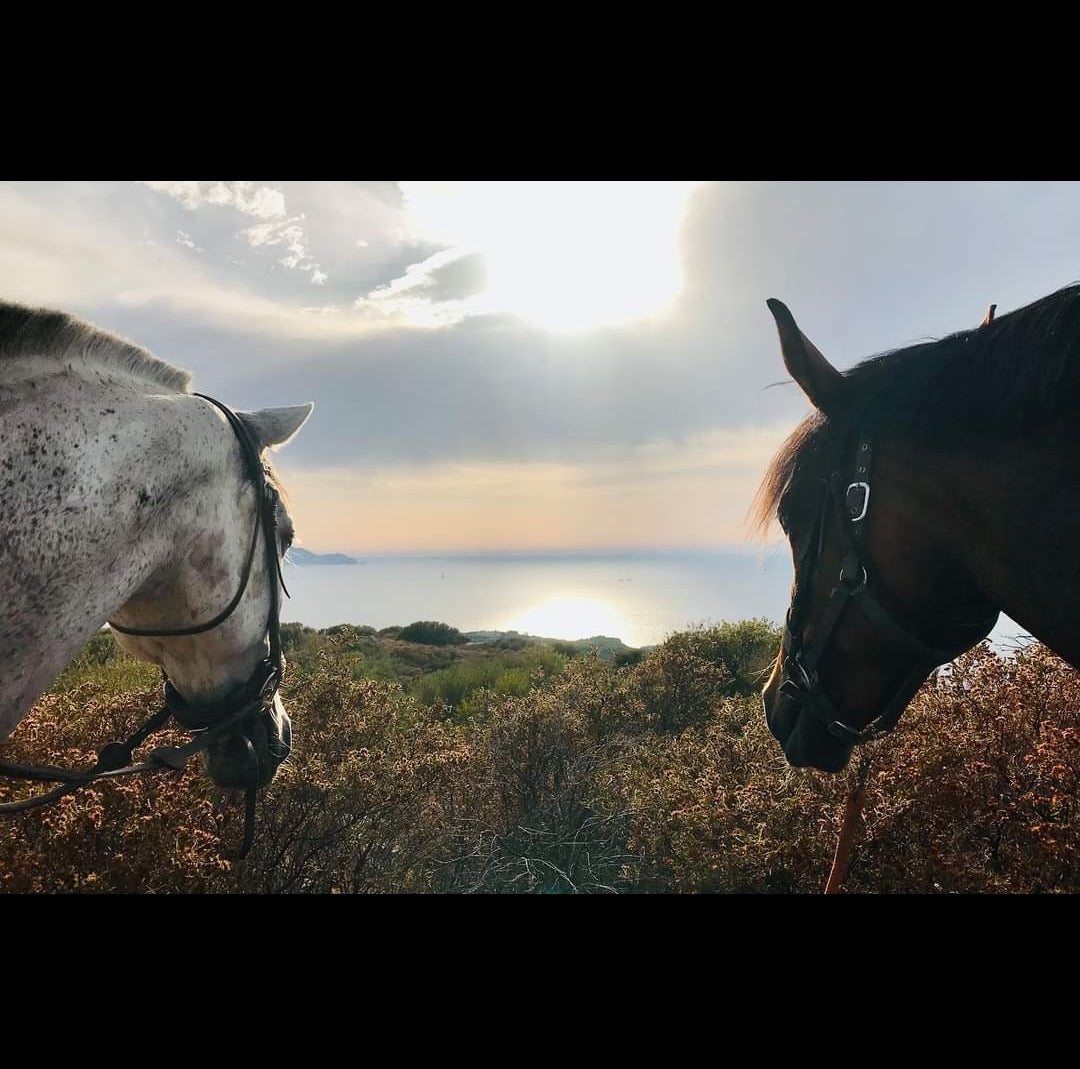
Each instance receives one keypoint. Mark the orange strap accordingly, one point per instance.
(852, 814)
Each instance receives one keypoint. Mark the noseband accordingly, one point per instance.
(232, 715)
(801, 683)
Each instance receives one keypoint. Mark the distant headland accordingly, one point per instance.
(299, 555)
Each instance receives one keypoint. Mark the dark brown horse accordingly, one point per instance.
(931, 487)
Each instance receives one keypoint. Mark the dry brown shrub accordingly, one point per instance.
(647, 778)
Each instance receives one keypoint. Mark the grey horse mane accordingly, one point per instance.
(43, 332)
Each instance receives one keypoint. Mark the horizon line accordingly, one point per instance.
(583, 551)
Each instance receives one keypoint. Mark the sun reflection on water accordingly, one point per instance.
(571, 618)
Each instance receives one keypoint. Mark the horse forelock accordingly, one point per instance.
(57, 336)
(781, 471)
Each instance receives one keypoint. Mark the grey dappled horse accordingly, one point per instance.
(125, 497)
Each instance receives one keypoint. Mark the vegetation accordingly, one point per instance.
(432, 633)
(540, 769)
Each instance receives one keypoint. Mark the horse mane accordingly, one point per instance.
(43, 332)
(1014, 373)
(779, 474)
(1018, 371)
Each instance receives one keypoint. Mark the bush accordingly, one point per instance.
(506, 673)
(682, 682)
(431, 633)
(568, 776)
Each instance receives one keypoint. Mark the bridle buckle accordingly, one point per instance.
(857, 512)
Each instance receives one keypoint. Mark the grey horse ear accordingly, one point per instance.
(274, 427)
(820, 381)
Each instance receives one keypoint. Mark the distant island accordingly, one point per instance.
(298, 555)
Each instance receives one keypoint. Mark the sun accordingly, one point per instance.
(566, 256)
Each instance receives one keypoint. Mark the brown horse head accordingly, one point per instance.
(886, 585)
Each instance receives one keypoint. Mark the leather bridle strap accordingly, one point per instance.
(854, 587)
(258, 475)
(114, 760)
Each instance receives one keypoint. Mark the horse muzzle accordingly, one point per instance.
(253, 752)
(803, 736)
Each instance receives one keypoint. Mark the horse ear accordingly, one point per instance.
(820, 381)
(277, 426)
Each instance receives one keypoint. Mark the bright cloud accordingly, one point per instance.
(263, 202)
(564, 255)
(260, 202)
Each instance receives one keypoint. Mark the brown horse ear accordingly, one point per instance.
(989, 317)
(820, 381)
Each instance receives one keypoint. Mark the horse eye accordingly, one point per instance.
(285, 533)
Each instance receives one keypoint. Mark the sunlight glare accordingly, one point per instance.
(570, 618)
(563, 255)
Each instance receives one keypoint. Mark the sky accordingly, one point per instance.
(528, 366)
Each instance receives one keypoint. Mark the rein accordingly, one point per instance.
(208, 722)
(845, 841)
(801, 682)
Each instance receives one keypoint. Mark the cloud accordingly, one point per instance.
(261, 202)
(863, 266)
(110, 252)
(660, 494)
(189, 194)
(290, 233)
(454, 280)
(500, 388)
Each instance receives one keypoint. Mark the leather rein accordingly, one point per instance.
(801, 682)
(207, 722)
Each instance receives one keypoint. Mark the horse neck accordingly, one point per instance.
(1024, 495)
(100, 484)
(924, 521)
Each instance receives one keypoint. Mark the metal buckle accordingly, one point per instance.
(806, 683)
(865, 488)
(854, 586)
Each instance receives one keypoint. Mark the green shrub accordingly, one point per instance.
(432, 633)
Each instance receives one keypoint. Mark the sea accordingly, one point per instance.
(640, 598)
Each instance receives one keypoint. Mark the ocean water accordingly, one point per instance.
(640, 598)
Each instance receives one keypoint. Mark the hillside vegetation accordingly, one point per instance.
(527, 766)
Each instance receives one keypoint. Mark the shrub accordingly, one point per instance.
(432, 633)
(556, 775)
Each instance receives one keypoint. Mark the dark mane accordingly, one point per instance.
(42, 332)
(780, 471)
(1018, 373)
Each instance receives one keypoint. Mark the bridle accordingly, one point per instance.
(801, 683)
(235, 714)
